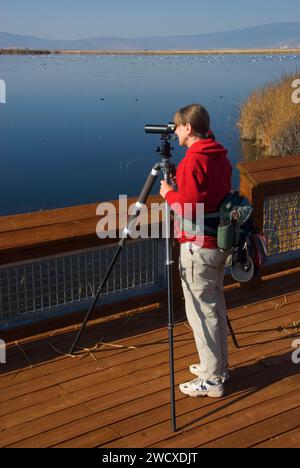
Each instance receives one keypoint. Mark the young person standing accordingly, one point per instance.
(203, 176)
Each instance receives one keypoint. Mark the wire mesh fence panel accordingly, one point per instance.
(282, 223)
(68, 279)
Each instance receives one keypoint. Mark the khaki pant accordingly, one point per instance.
(202, 275)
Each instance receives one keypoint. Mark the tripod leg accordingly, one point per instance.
(141, 201)
(169, 268)
(86, 318)
(167, 169)
(232, 334)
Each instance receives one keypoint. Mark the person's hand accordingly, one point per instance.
(164, 188)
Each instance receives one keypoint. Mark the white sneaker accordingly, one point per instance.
(195, 369)
(200, 387)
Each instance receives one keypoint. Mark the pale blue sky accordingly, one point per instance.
(72, 19)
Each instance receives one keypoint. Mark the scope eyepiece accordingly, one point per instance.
(161, 129)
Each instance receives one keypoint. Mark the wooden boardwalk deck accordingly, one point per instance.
(118, 394)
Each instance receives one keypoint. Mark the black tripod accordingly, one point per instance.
(167, 168)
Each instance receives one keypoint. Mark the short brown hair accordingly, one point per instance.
(197, 116)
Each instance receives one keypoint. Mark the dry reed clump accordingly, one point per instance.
(271, 120)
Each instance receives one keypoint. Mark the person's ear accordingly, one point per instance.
(189, 128)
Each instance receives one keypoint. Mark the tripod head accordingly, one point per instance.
(164, 149)
(165, 132)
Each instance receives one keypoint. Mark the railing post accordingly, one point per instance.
(266, 179)
(255, 196)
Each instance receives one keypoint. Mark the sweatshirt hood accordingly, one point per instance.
(209, 147)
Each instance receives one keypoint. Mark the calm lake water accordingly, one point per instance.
(72, 130)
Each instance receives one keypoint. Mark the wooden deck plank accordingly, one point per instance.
(265, 330)
(112, 330)
(100, 404)
(112, 366)
(251, 436)
(106, 362)
(77, 427)
(130, 342)
(43, 424)
(30, 400)
(156, 399)
(139, 424)
(104, 402)
(254, 309)
(37, 351)
(290, 439)
(105, 353)
(26, 402)
(61, 363)
(253, 338)
(75, 378)
(126, 378)
(203, 413)
(42, 352)
(233, 422)
(271, 312)
(127, 403)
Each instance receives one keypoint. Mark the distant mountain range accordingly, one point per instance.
(274, 35)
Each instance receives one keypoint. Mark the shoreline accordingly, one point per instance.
(151, 52)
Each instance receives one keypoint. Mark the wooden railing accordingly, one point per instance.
(275, 181)
(52, 234)
(36, 247)
(44, 233)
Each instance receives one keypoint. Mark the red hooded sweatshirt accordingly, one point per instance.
(203, 176)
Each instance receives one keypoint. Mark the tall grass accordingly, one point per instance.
(271, 120)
